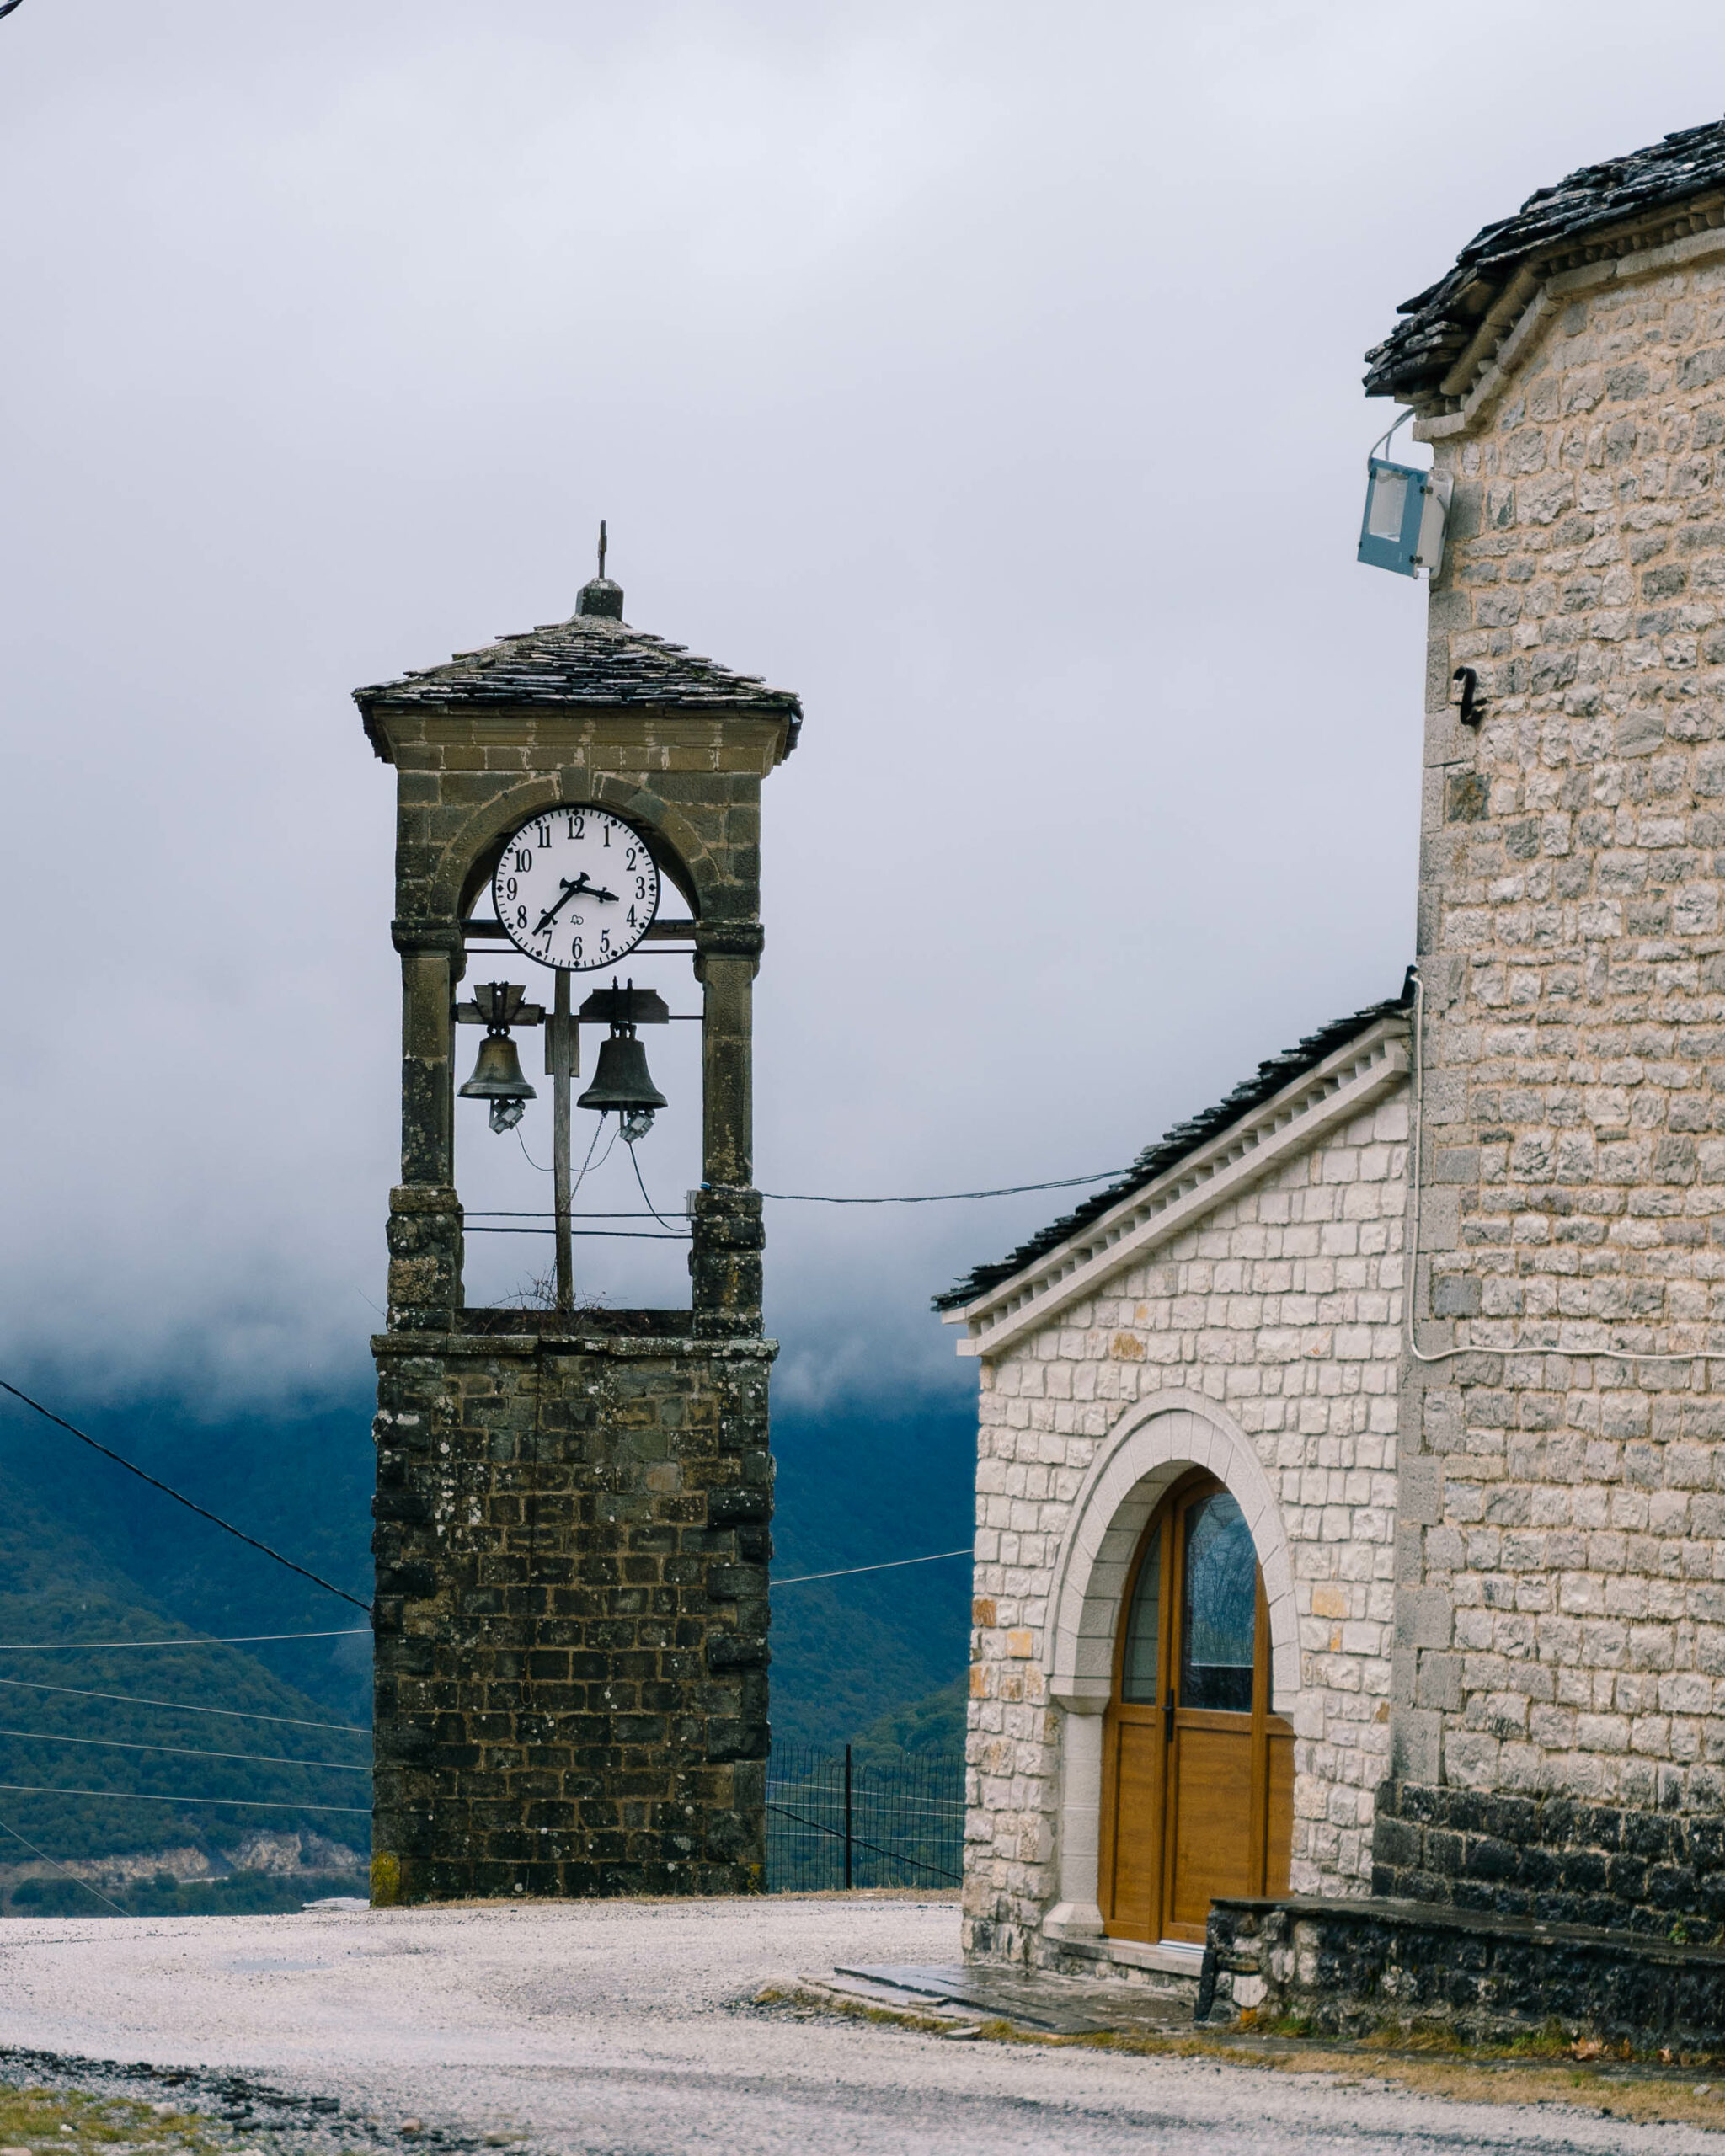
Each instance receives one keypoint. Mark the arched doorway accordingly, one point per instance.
(1198, 1774)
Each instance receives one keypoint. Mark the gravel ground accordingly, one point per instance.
(627, 2028)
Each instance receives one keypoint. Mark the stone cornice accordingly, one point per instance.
(1361, 1072)
(518, 1347)
(1484, 373)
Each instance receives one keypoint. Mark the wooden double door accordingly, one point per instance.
(1198, 1781)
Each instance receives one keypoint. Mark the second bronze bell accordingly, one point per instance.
(621, 1078)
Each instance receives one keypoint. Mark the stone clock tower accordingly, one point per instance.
(573, 1505)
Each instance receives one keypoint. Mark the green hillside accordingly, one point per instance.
(868, 1487)
(55, 1586)
(87, 1552)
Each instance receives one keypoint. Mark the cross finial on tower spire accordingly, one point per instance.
(602, 596)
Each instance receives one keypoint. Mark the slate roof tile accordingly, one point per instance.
(1555, 223)
(588, 659)
(1184, 1138)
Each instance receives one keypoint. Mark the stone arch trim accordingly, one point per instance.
(550, 790)
(1147, 1450)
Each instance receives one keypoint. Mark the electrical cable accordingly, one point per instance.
(586, 1235)
(183, 1706)
(943, 1197)
(635, 1163)
(814, 1198)
(167, 1490)
(1448, 1354)
(145, 1796)
(59, 1867)
(892, 1565)
(183, 1751)
(230, 1639)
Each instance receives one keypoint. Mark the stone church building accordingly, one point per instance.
(1350, 1490)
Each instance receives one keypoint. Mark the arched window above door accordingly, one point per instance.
(1218, 1607)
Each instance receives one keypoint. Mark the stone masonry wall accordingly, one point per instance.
(1283, 1307)
(1561, 1614)
(571, 1615)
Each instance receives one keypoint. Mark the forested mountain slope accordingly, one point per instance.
(88, 1553)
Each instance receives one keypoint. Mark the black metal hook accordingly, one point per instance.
(1472, 704)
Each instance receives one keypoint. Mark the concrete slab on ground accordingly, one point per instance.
(1063, 2006)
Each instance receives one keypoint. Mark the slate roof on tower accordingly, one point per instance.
(1556, 228)
(1156, 1160)
(593, 657)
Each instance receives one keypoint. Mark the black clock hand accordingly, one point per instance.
(569, 891)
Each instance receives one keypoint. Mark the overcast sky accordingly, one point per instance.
(987, 373)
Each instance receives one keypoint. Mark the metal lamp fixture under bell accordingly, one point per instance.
(621, 1081)
(497, 1078)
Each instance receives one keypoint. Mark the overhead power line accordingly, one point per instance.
(892, 1565)
(807, 1198)
(183, 1751)
(602, 1234)
(42, 1853)
(181, 1707)
(231, 1639)
(145, 1796)
(943, 1197)
(167, 1490)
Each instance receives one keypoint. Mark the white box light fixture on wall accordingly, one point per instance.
(1406, 510)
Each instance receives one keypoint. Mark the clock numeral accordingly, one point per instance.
(578, 825)
(633, 921)
(542, 832)
(520, 916)
(604, 943)
(576, 950)
(523, 859)
(509, 887)
(631, 857)
(608, 834)
(640, 889)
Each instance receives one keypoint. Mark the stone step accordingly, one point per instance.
(1056, 2005)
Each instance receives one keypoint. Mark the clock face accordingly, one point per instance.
(576, 888)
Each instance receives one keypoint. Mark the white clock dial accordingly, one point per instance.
(576, 888)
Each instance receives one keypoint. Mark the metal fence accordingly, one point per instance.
(834, 1822)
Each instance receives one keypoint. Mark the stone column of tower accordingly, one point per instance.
(573, 1507)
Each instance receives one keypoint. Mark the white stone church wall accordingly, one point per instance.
(1283, 1308)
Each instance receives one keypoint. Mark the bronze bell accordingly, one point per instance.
(622, 1080)
(497, 1078)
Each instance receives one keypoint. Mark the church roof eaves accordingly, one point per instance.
(1556, 228)
(1185, 1139)
(588, 661)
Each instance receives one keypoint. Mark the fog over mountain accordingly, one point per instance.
(987, 375)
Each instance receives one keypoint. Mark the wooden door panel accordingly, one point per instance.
(1206, 1809)
(1212, 1821)
(1137, 1838)
(1280, 1810)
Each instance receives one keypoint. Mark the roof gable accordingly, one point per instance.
(1338, 1067)
(1654, 190)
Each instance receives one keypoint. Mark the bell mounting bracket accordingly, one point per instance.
(497, 1006)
